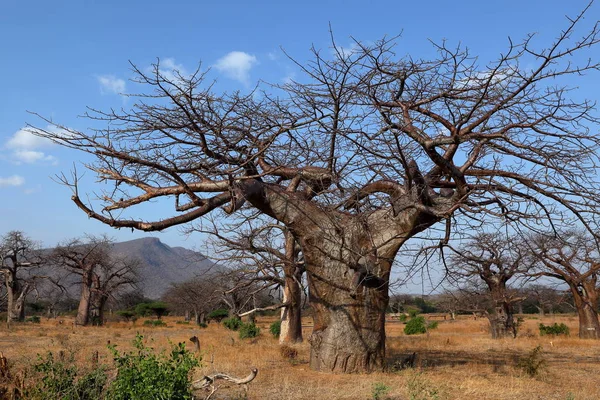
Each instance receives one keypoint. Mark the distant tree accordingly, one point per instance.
(201, 295)
(20, 256)
(495, 258)
(101, 273)
(572, 257)
(267, 258)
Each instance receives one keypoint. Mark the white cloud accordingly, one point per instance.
(32, 156)
(14, 180)
(236, 65)
(111, 84)
(272, 56)
(25, 147)
(24, 139)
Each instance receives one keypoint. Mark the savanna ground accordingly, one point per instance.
(458, 360)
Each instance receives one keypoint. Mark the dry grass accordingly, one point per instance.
(456, 361)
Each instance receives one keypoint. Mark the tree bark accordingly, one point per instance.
(16, 295)
(291, 314)
(349, 323)
(586, 302)
(85, 298)
(501, 316)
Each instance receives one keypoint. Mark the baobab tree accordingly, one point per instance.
(19, 255)
(101, 273)
(495, 259)
(573, 258)
(361, 155)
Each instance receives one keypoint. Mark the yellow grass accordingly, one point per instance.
(456, 361)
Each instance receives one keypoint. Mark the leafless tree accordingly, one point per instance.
(573, 258)
(266, 257)
(495, 258)
(201, 295)
(361, 154)
(20, 256)
(544, 298)
(102, 273)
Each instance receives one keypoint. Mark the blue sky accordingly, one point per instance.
(60, 56)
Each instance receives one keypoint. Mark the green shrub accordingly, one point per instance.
(554, 330)
(145, 375)
(154, 322)
(415, 326)
(127, 314)
(275, 329)
(403, 318)
(249, 330)
(534, 363)
(379, 390)
(218, 315)
(432, 325)
(233, 323)
(202, 325)
(182, 322)
(33, 319)
(59, 381)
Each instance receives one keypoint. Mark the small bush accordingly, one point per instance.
(145, 375)
(59, 381)
(182, 322)
(275, 329)
(432, 325)
(202, 325)
(128, 315)
(154, 322)
(379, 390)
(33, 319)
(233, 323)
(403, 318)
(249, 330)
(554, 330)
(415, 326)
(419, 388)
(218, 315)
(534, 363)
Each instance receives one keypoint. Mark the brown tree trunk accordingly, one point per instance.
(85, 298)
(16, 295)
(291, 315)
(586, 302)
(349, 321)
(501, 316)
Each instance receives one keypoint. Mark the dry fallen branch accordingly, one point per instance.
(207, 382)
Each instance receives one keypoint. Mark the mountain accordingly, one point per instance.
(162, 265)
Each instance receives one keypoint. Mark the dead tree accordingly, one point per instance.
(495, 258)
(19, 256)
(362, 154)
(573, 258)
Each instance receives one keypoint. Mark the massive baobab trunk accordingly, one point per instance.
(501, 315)
(16, 295)
(587, 309)
(348, 261)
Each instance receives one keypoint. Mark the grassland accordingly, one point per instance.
(458, 360)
